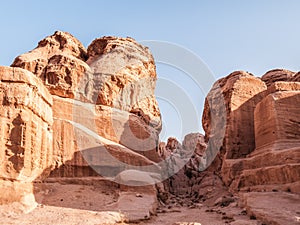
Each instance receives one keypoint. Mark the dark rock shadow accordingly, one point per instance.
(15, 147)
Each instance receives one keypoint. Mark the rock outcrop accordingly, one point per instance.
(74, 118)
(59, 61)
(275, 162)
(273, 76)
(228, 117)
(107, 90)
(257, 151)
(26, 132)
(260, 150)
(125, 74)
(184, 163)
(124, 80)
(99, 115)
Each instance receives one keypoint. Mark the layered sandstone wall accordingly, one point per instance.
(275, 163)
(107, 90)
(260, 148)
(25, 132)
(76, 112)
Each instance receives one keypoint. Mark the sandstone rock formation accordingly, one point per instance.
(59, 61)
(184, 162)
(261, 130)
(107, 89)
(258, 204)
(277, 117)
(92, 120)
(258, 149)
(125, 74)
(123, 84)
(70, 114)
(26, 132)
(296, 77)
(228, 118)
(273, 76)
(275, 162)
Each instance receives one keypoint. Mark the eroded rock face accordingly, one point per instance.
(276, 117)
(123, 86)
(114, 125)
(102, 119)
(273, 76)
(195, 142)
(59, 61)
(125, 73)
(185, 163)
(296, 77)
(26, 130)
(283, 209)
(108, 89)
(260, 149)
(85, 154)
(228, 115)
(275, 163)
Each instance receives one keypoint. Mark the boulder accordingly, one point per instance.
(136, 178)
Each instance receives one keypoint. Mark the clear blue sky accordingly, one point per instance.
(228, 35)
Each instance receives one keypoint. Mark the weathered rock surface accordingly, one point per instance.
(46, 214)
(26, 131)
(137, 178)
(59, 61)
(108, 89)
(240, 91)
(273, 76)
(260, 150)
(99, 116)
(275, 163)
(273, 207)
(125, 73)
(186, 163)
(123, 86)
(261, 130)
(195, 142)
(91, 155)
(276, 117)
(116, 127)
(77, 131)
(296, 77)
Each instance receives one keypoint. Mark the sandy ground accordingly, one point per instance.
(85, 204)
